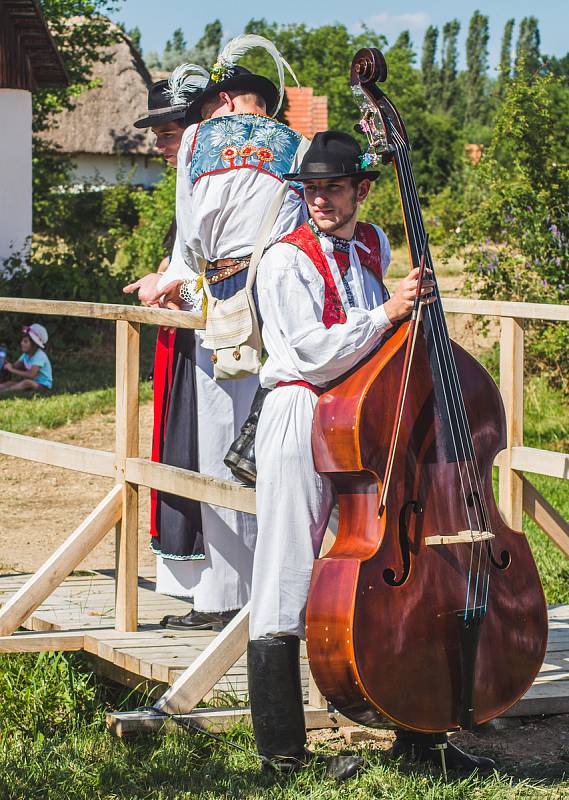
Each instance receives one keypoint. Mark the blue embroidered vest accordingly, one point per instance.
(243, 141)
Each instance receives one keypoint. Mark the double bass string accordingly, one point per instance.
(439, 330)
(437, 312)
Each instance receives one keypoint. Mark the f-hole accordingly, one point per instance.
(505, 557)
(389, 575)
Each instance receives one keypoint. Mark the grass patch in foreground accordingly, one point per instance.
(54, 746)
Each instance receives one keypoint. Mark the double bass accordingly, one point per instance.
(428, 609)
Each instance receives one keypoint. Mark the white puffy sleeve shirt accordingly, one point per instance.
(291, 302)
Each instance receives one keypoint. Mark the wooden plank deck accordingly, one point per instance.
(84, 604)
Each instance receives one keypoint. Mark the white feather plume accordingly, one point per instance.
(240, 45)
(184, 81)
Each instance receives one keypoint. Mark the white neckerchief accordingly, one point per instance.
(355, 264)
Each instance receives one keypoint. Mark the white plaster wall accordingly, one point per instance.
(15, 169)
(89, 168)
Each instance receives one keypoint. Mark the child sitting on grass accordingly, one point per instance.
(32, 371)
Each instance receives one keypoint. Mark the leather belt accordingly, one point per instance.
(226, 267)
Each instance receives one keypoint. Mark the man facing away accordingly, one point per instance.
(230, 165)
(324, 308)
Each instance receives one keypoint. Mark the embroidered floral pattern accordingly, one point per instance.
(245, 140)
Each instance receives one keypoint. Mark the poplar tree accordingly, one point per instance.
(429, 68)
(449, 68)
(476, 68)
(505, 69)
(527, 49)
(403, 41)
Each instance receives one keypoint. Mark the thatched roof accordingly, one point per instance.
(102, 120)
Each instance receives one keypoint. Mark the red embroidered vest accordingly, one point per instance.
(305, 239)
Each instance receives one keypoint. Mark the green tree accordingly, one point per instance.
(135, 36)
(449, 65)
(528, 57)
(206, 49)
(81, 33)
(403, 41)
(429, 69)
(477, 68)
(515, 235)
(505, 68)
(321, 58)
(174, 50)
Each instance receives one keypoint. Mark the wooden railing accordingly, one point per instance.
(120, 506)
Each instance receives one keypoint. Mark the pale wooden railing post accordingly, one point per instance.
(127, 365)
(511, 487)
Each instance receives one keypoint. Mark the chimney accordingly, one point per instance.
(306, 113)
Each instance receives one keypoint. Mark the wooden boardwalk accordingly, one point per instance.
(83, 606)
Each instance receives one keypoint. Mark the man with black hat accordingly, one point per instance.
(230, 166)
(324, 308)
(176, 523)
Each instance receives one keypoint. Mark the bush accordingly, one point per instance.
(515, 237)
(143, 248)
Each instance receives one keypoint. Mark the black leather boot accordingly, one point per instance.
(427, 747)
(240, 457)
(277, 711)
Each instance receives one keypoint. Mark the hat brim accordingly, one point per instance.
(301, 177)
(252, 83)
(160, 118)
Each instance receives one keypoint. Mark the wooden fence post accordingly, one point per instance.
(511, 487)
(126, 576)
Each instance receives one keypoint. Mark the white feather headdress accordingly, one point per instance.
(184, 81)
(240, 45)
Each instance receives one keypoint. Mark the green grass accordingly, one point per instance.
(54, 745)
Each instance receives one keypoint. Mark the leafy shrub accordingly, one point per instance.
(515, 237)
(143, 248)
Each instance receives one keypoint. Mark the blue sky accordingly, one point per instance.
(157, 20)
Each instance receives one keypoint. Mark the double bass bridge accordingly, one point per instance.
(462, 537)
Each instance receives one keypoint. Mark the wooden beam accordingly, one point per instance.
(542, 462)
(211, 665)
(67, 456)
(140, 314)
(499, 308)
(544, 515)
(127, 435)
(123, 723)
(63, 561)
(184, 483)
(42, 642)
(510, 487)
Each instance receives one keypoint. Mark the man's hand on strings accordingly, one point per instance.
(400, 304)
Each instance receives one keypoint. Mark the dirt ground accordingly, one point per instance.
(42, 505)
(535, 748)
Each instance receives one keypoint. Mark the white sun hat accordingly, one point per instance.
(37, 334)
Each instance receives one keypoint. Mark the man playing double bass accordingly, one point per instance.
(324, 308)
